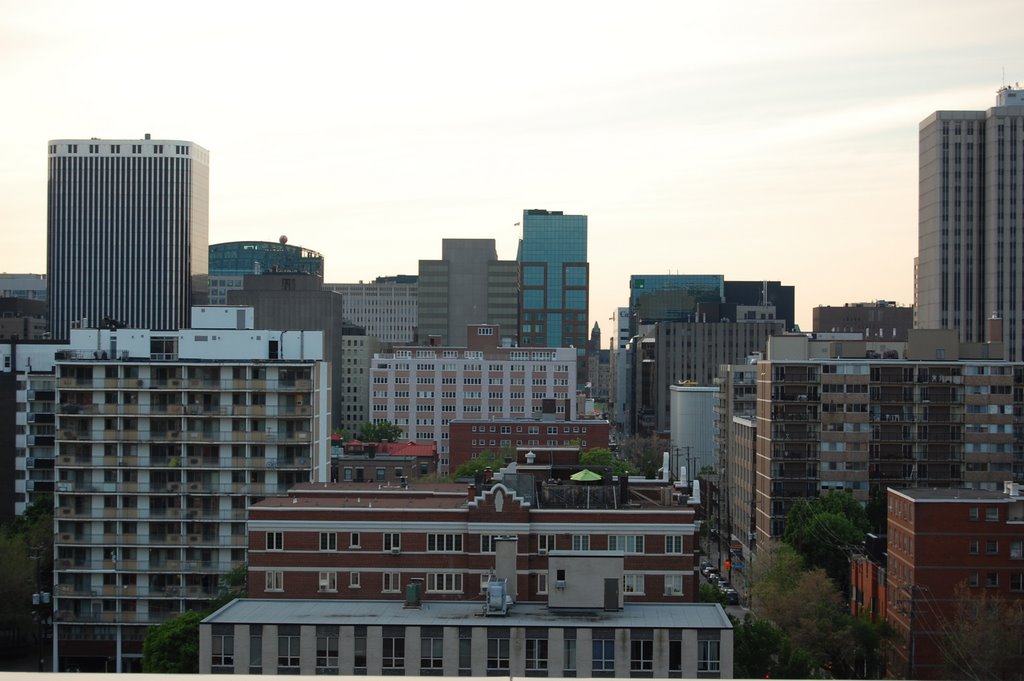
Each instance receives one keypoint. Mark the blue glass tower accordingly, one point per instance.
(554, 282)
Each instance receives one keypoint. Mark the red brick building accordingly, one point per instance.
(350, 542)
(939, 540)
(468, 438)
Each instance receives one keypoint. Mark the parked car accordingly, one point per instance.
(713, 576)
(704, 567)
(732, 596)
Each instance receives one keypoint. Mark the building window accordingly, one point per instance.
(275, 541)
(328, 581)
(255, 648)
(569, 652)
(675, 657)
(603, 655)
(708, 655)
(391, 582)
(581, 542)
(274, 581)
(673, 585)
(353, 540)
(632, 584)
(223, 646)
(353, 580)
(991, 579)
(431, 651)
(629, 543)
(972, 512)
(497, 651)
(545, 542)
(992, 515)
(392, 542)
(1016, 549)
(465, 651)
(972, 547)
(359, 650)
(393, 654)
(972, 579)
(673, 543)
(287, 648)
(326, 650)
(487, 543)
(991, 547)
(444, 582)
(444, 543)
(641, 655)
(537, 655)
(328, 541)
(1017, 581)
(542, 582)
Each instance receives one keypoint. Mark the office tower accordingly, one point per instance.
(127, 232)
(554, 283)
(29, 286)
(231, 262)
(755, 293)
(164, 440)
(671, 297)
(468, 285)
(879, 320)
(423, 389)
(385, 307)
(970, 263)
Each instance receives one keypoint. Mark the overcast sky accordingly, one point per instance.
(755, 140)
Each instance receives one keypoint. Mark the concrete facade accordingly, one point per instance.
(386, 307)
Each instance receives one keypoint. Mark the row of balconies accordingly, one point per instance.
(150, 462)
(133, 591)
(143, 566)
(106, 539)
(71, 435)
(114, 617)
(219, 385)
(233, 488)
(68, 512)
(179, 409)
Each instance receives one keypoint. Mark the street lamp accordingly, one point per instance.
(40, 601)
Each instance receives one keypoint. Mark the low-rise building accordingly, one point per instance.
(469, 438)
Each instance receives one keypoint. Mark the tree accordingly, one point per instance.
(486, 459)
(709, 593)
(762, 650)
(600, 456)
(26, 554)
(385, 431)
(824, 530)
(643, 454)
(173, 647)
(983, 636)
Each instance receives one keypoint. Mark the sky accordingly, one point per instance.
(755, 140)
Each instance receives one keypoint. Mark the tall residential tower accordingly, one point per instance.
(127, 232)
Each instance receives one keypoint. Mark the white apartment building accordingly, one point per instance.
(422, 389)
(163, 440)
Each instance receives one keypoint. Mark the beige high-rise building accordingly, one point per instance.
(970, 263)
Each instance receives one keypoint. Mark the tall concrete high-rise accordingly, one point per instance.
(468, 285)
(554, 282)
(970, 263)
(127, 232)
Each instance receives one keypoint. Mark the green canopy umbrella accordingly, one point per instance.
(585, 475)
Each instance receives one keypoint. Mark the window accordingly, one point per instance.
(673, 585)
(487, 543)
(444, 582)
(973, 513)
(497, 650)
(603, 654)
(326, 650)
(359, 649)
(1017, 581)
(431, 650)
(274, 581)
(465, 651)
(991, 579)
(991, 515)
(641, 655)
(255, 648)
(972, 547)
(991, 547)
(673, 543)
(632, 584)
(353, 580)
(288, 646)
(536, 654)
(444, 543)
(708, 655)
(391, 582)
(972, 579)
(223, 645)
(626, 543)
(392, 541)
(328, 541)
(545, 542)
(581, 542)
(353, 540)
(328, 581)
(393, 654)
(542, 582)
(275, 541)
(1016, 548)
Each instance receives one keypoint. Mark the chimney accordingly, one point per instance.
(488, 474)
(471, 492)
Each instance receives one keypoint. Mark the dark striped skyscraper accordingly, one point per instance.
(127, 232)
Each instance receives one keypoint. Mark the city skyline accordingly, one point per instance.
(756, 142)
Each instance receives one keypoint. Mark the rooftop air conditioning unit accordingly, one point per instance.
(559, 583)
(395, 550)
(542, 552)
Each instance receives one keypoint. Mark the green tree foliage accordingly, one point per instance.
(709, 593)
(762, 650)
(173, 647)
(643, 454)
(600, 456)
(26, 554)
(486, 459)
(384, 431)
(983, 635)
(824, 530)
